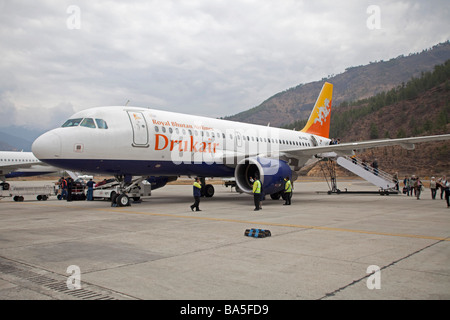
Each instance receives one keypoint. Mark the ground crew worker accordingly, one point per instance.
(63, 189)
(69, 188)
(257, 193)
(90, 190)
(197, 188)
(287, 191)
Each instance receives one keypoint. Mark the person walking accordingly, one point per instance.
(433, 187)
(197, 190)
(257, 194)
(406, 186)
(375, 167)
(441, 183)
(287, 191)
(413, 183)
(418, 187)
(446, 187)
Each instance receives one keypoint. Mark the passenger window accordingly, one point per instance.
(72, 122)
(101, 124)
(88, 123)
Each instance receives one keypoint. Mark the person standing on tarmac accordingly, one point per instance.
(63, 189)
(69, 189)
(257, 193)
(446, 188)
(287, 191)
(197, 188)
(90, 190)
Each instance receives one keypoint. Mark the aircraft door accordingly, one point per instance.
(140, 129)
(238, 138)
(314, 141)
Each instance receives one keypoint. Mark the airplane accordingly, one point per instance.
(130, 142)
(15, 164)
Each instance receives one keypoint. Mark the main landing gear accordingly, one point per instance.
(207, 189)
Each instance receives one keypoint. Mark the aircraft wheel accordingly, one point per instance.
(209, 190)
(114, 197)
(275, 196)
(238, 190)
(123, 200)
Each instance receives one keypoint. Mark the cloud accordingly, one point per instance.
(212, 58)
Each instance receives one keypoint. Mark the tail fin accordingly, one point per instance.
(319, 120)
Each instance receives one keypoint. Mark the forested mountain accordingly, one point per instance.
(355, 83)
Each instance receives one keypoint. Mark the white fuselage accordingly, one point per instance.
(139, 141)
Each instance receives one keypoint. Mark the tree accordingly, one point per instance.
(373, 131)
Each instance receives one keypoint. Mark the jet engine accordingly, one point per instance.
(271, 173)
(159, 182)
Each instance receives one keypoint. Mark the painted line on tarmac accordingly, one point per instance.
(274, 224)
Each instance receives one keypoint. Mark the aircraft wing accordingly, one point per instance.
(347, 148)
(13, 167)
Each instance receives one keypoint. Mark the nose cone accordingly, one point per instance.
(47, 146)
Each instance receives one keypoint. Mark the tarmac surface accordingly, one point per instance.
(341, 247)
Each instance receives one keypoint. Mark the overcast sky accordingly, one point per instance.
(207, 57)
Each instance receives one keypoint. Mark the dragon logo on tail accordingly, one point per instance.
(323, 112)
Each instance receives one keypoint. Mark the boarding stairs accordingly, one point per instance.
(377, 177)
(383, 180)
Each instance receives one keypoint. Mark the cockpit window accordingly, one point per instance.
(88, 122)
(101, 124)
(72, 122)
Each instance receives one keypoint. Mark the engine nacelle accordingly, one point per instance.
(271, 173)
(159, 182)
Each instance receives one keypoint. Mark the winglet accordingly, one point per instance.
(319, 120)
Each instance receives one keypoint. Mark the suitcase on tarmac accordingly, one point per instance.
(257, 233)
